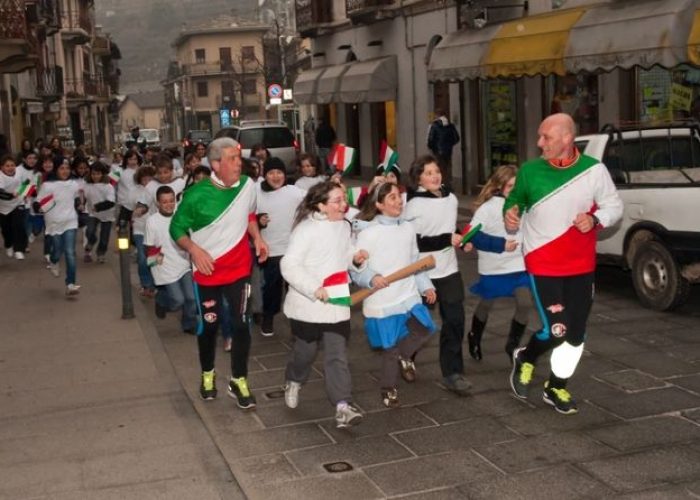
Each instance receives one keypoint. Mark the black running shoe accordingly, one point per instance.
(238, 390)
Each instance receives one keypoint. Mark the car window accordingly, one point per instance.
(250, 137)
(150, 134)
(278, 137)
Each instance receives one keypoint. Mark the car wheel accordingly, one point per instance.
(657, 277)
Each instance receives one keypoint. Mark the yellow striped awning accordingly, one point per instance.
(530, 45)
(694, 40)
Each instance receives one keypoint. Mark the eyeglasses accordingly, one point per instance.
(336, 201)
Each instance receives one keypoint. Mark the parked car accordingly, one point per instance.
(657, 173)
(194, 137)
(274, 135)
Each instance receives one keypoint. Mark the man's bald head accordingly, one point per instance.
(556, 136)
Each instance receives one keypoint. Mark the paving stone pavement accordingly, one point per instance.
(637, 434)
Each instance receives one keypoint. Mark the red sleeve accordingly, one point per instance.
(252, 217)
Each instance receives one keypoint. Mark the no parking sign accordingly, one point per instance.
(274, 91)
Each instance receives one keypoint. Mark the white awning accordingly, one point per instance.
(306, 85)
(458, 56)
(643, 33)
(329, 84)
(370, 81)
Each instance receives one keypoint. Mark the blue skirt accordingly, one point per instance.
(493, 286)
(386, 332)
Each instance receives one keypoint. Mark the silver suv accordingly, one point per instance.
(657, 174)
(274, 135)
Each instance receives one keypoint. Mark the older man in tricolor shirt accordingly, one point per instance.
(565, 197)
(212, 223)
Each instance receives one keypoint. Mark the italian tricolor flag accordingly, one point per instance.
(337, 286)
(114, 176)
(47, 203)
(468, 233)
(387, 156)
(152, 254)
(353, 194)
(25, 189)
(343, 158)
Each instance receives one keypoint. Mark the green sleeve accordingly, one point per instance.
(518, 196)
(183, 218)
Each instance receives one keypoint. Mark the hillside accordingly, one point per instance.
(144, 32)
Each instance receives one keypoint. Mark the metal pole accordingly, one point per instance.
(124, 261)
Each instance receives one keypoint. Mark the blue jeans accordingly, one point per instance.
(180, 294)
(144, 272)
(64, 244)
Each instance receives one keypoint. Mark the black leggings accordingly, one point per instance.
(450, 293)
(208, 299)
(563, 303)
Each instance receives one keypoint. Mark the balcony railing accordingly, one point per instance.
(76, 22)
(49, 81)
(88, 86)
(209, 68)
(13, 23)
(355, 8)
(311, 13)
(45, 13)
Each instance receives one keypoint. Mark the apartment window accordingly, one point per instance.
(225, 57)
(248, 53)
(202, 89)
(227, 91)
(200, 56)
(250, 86)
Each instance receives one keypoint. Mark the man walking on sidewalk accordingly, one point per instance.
(212, 224)
(567, 196)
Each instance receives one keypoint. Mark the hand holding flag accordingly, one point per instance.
(468, 233)
(343, 158)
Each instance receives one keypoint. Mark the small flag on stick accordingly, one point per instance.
(344, 158)
(25, 189)
(468, 233)
(152, 254)
(114, 176)
(337, 286)
(353, 194)
(387, 156)
(47, 203)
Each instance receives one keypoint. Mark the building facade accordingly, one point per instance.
(219, 69)
(63, 76)
(381, 67)
(143, 110)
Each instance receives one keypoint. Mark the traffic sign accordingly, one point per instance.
(274, 91)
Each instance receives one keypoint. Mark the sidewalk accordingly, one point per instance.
(90, 406)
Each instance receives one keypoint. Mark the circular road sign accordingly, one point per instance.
(274, 90)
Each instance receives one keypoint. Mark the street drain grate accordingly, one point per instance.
(336, 467)
(275, 394)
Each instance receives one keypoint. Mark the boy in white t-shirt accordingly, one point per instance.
(170, 265)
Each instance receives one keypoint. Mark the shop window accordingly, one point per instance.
(577, 96)
(499, 120)
(666, 95)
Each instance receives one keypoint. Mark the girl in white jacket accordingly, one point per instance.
(396, 320)
(317, 304)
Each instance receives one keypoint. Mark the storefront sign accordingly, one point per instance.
(681, 97)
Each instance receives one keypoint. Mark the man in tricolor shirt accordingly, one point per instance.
(213, 223)
(566, 197)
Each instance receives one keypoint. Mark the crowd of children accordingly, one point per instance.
(314, 251)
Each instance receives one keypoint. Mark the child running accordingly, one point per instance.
(395, 318)
(99, 199)
(316, 267)
(309, 173)
(143, 176)
(277, 203)
(12, 210)
(432, 209)
(59, 199)
(170, 265)
(501, 267)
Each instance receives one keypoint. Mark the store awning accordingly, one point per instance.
(306, 85)
(622, 35)
(329, 84)
(531, 45)
(458, 56)
(370, 81)
(694, 40)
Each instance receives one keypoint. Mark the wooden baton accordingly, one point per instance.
(420, 265)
